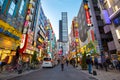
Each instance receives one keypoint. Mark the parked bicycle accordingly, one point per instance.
(14, 68)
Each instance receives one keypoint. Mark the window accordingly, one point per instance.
(1, 2)
(11, 9)
(21, 7)
(47, 59)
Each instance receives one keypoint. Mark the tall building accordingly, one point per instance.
(60, 30)
(63, 33)
(64, 27)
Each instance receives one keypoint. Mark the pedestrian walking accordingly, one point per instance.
(89, 63)
(96, 62)
(67, 62)
(105, 62)
(62, 61)
(73, 62)
(100, 62)
(114, 63)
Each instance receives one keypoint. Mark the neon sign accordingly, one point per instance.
(87, 13)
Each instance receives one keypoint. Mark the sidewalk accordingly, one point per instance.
(6, 75)
(103, 75)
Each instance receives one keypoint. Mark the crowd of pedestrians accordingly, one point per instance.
(103, 63)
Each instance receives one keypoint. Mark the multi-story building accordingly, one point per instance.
(40, 33)
(64, 27)
(60, 30)
(63, 32)
(28, 29)
(111, 15)
(83, 27)
(51, 39)
(12, 15)
(91, 25)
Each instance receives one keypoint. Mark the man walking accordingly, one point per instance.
(89, 62)
(62, 61)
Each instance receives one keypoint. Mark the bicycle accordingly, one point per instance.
(15, 68)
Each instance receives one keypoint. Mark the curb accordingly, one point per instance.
(17, 75)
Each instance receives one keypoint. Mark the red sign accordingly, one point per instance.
(87, 13)
(92, 34)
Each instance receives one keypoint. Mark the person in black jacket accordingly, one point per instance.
(89, 63)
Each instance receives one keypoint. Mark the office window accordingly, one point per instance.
(21, 7)
(1, 3)
(11, 9)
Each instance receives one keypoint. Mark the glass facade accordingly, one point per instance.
(21, 7)
(64, 27)
(12, 8)
(1, 3)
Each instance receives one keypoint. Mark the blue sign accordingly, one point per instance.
(106, 17)
(6, 32)
(11, 35)
(1, 29)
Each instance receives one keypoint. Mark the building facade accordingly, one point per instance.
(110, 13)
(64, 27)
(12, 17)
(91, 31)
(63, 33)
(60, 30)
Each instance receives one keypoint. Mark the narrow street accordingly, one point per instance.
(55, 73)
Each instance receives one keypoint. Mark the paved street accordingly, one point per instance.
(69, 73)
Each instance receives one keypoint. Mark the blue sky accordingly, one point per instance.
(53, 9)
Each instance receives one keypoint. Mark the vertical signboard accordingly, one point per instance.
(87, 13)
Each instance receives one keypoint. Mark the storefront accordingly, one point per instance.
(9, 41)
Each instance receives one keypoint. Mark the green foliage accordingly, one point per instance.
(34, 58)
(90, 45)
(84, 65)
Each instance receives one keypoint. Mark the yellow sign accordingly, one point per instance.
(77, 40)
(11, 29)
(30, 6)
(39, 39)
(76, 24)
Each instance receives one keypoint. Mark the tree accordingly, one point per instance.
(84, 65)
(34, 58)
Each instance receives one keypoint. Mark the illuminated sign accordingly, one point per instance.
(87, 13)
(106, 17)
(8, 33)
(23, 40)
(39, 39)
(8, 30)
(76, 33)
(1, 30)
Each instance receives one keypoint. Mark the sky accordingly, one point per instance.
(53, 9)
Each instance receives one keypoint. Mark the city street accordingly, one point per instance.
(55, 73)
(44, 33)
